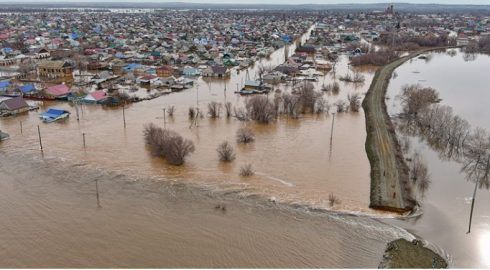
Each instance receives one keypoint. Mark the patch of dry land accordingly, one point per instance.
(410, 254)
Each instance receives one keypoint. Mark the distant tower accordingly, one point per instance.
(390, 10)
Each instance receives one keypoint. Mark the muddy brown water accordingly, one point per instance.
(157, 215)
(462, 82)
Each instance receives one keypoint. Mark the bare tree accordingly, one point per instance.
(260, 109)
(414, 98)
(290, 104)
(214, 109)
(333, 88)
(307, 97)
(247, 170)
(226, 152)
(245, 135)
(341, 106)
(355, 78)
(264, 69)
(171, 111)
(333, 200)
(192, 113)
(228, 109)
(240, 114)
(377, 58)
(354, 102)
(322, 106)
(167, 144)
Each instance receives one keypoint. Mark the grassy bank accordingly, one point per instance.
(406, 254)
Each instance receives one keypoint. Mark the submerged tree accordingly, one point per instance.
(354, 102)
(226, 152)
(167, 144)
(260, 109)
(245, 135)
(247, 170)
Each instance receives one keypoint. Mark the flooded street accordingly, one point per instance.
(462, 84)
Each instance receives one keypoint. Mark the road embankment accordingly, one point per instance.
(390, 187)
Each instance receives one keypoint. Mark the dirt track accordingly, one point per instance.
(389, 172)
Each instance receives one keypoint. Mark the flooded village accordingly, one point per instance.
(244, 137)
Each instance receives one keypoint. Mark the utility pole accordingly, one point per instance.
(40, 140)
(83, 135)
(76, 109)
(97, 192)
(331, 136)
(21, 127)
(472, 205)
(197, 95)
(124, 117)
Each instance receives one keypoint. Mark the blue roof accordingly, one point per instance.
(27, 88)
(4, 84)
(53, 113)
(8, 50)
(132, 66)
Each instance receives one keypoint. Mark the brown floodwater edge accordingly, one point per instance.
(389, 172)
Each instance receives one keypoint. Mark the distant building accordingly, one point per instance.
(55, 69)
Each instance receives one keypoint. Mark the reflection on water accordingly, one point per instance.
(461, 85)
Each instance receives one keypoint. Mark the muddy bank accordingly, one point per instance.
(411, 254)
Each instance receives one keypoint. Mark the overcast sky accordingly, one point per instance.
(485, 2)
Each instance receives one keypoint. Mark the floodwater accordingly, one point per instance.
(462, 82)
(156, 215)
(49, 218)
(293, 158)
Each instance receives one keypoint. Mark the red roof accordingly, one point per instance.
(149, 77)
(98, 95)
(58, 90)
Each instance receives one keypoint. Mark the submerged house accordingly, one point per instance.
(99, 96)
(164, 71)
(147, 79)
(55, 69)
(216, 71)
(191, 71)
(12, 105)
(4, 85)
(59, 91)
(28, 89)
